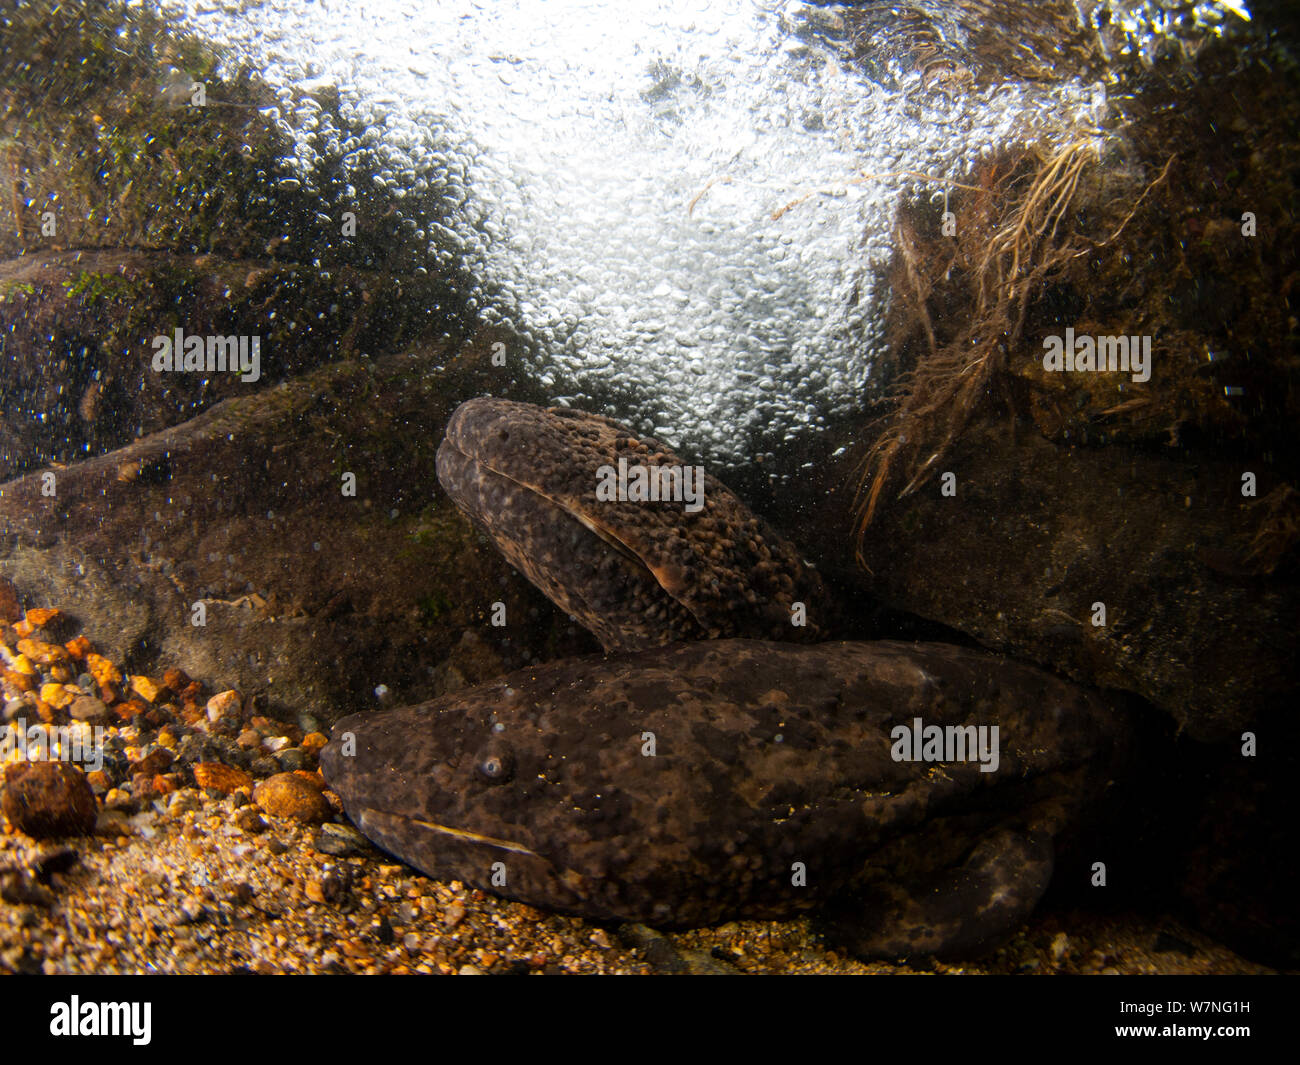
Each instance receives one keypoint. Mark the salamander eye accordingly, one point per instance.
(496, 764)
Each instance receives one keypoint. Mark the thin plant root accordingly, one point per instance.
(1019, 232)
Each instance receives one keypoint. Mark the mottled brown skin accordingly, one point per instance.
(637, 574)
(768, 758)
(767, 754)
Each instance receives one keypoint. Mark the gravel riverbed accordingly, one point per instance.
(200, 838)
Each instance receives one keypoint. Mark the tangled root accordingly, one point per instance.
(1019, 231)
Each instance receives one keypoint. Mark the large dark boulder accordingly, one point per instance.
(309, 595)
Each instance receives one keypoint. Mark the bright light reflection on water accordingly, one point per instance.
(610, 173)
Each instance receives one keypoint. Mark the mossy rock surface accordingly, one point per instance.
(78, 331)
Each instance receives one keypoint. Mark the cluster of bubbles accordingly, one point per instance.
(680, 207)
(1147, 29)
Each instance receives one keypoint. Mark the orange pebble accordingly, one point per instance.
(42, 615)
(78, 648)
(103, 670)
(21, 681)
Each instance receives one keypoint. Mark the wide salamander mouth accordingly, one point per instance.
(380, 824)
(445, 852)
(482, 470)
(431, 846)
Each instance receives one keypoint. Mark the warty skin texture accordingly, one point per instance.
(765, 755)
(636, 574)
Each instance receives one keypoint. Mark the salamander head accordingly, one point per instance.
(638, 545)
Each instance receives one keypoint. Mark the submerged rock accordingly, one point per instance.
(45, 799)
(1046, 535)
(289, 795)
(290, 542)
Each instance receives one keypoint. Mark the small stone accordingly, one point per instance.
(601, 940)
(314, 741)
(90, 710)
(105, 673)
(470, 970)
(248, 819)
(342, 841)
(276, 845)
(326, 888)
(23, 664)
(41, 616)
(46, 799)
(99, 781)
(78, 648)
(57, 695)
(453, 914)
(166, 738)
(112, 823)
(225, 707)
(184, 801)
(18, 888)
(117, 799)
(159, 760)
(250, 739)
(1060, 946)
(175, 680)
(288, 795)
(146, 687)
(276, 743)
(291, 758)
(43, 654)
(21, 681)
(222, 778)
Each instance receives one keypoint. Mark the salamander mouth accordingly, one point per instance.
(480, 470)
(445, 852)
(379, 824)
